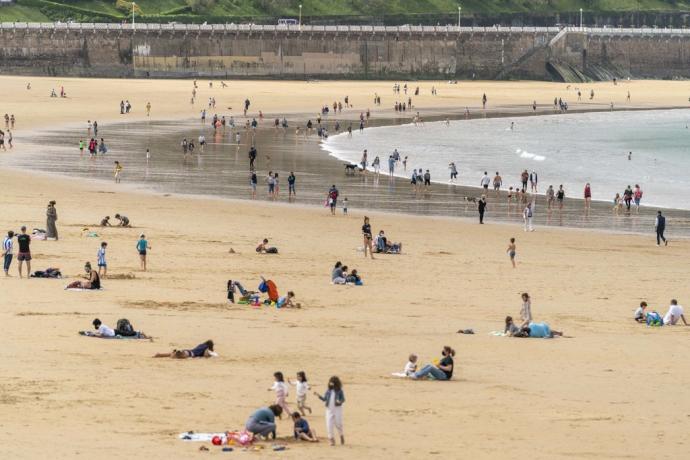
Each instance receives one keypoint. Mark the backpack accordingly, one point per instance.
(124, 328)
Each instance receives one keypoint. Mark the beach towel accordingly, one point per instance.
(82, 289)
(400, 374)
(122, 337)
(498, 333)
(191, 436)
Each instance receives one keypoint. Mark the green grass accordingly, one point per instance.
(229, 10)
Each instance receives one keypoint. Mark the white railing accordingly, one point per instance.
(407, 29)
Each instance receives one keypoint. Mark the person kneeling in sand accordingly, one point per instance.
(203, 350)
(263, 421)
(302, 429)
(123, 221)
(93, 280)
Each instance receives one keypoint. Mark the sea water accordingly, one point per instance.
(568, 149)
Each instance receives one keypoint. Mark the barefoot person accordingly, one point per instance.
(511, 251)
(93, 280)
(660, 226)
(7, 252)
(368, 239)
(142, 247)
(51, 218)
(24, 253)
(203, 350)
(442, 371)
(263, 421)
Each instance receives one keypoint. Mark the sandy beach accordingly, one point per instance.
(615, 389)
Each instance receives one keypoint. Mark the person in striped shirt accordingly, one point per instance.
(7, 252)
(102, 264)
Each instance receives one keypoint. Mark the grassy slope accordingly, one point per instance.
(289, 8)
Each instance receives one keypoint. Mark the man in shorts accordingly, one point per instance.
(24, 254)
(485, 181)
(498, 181)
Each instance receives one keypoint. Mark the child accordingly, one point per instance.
(102, 265)
(640, 313)
(302, 386)
(118, 170)
(281, 389)
(81, 146)
(302, 430)
(286, 301)
(142, 247)
(511, 251)
(411, 366)
(345, 206)
(334, 398)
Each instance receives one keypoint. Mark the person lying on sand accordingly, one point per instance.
(124, 329)
(93, 281)
(203, 350)
(539, 331)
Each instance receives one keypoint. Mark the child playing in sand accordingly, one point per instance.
(301, 387)
(640, 313)
(411, 366)
(302, 429)
(281, 390)
(287, 301)
(511, 251)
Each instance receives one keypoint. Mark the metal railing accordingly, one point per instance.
(250, 28)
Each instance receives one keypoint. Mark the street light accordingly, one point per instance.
(580, 18)
(459, 15)
(300, 17)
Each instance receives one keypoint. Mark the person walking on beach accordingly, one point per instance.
(550, 197)
(427, 180)
(560, 196)
(660, 226)
(511, 251)
(391, 165)
(148, 109)
(484, 101)
(533, 181)
(368, 238)
(451, 166)
(142, 247)
(637, 197)
(485, 181)
(481, 208)
(102, 264)
(333, 198)
(252, 157)
(51, 218)
(588, 198)
(7, 252)
(334, 398)
(524, 177)
(117, 171)
(24, 254)
(498, 181)
(364, 162)
(527, 215)
(291, 185)
(627, 197)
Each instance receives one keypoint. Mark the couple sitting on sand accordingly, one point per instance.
(528, 327)
(383, 246)
(441, 369)
(340, 275)
(674, 315)
(124, 329)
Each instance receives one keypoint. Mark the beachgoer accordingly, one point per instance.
(511, 251)
(339, 273)
(203, 350)
(263, 421)
(291, 184)
(102, 264)
(102, 330)
(51, 218)
(301, 388)
(367, 238)
(485, 181)
(560, 196)
(334, 398)
(533, 181)
(444, 369)
(93, 280)
(411, 366)
(453, 171)
(526, 310)
(252, 183)
(24, 253)
(117, 171)
(640, 314)
(527, 215)
(281, 390)
(550, 196)
(333, 198)
(302, 430)
(498, 181)
(123, 221)
(142, 246)
(588, 197)
(7, 252)
(540, 331)
(660, 226)
(674, 314)
(481, 208)
(637, 196)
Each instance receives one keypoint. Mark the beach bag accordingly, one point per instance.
(124, 328)
(272, 251)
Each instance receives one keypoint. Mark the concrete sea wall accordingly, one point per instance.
(356, 52)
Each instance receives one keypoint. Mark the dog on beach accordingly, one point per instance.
(470, 199)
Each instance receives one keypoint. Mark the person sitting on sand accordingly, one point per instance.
(302, 429)
(411, 366)
(674, 314)
(102, 330)
(105, 222)
(339, 274)
(93, 281)
(232, 284)
(203, 350)
(123, 220)
(354, 278)
(263, 248)
(263, 421)
(442, 371)
(288, 301)
(511, 330)
(384, 246)
(640, 314)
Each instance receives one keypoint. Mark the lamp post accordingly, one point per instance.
(459, 16)
(300, 17)
(133, 6)
(580, 18)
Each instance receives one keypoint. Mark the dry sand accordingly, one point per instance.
(616, 389)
